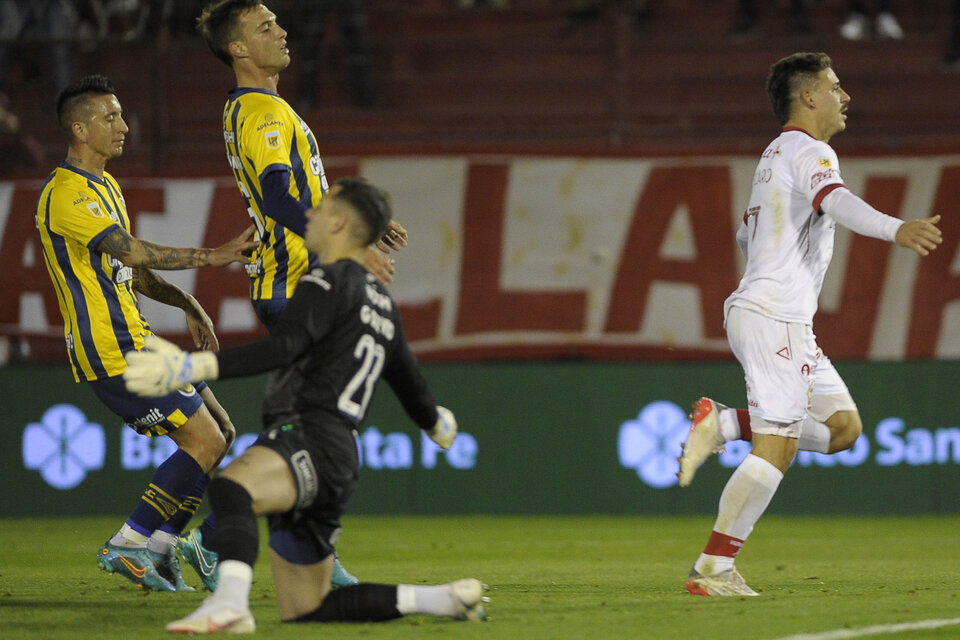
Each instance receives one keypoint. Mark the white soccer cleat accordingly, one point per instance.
(725, 583)
(469, 600)
(704, 440)
(215, 616)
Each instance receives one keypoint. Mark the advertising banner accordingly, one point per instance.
(536, 437)
(533, 257)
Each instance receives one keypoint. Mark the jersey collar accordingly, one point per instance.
(89, 176)
(804, 131)
(239, 91)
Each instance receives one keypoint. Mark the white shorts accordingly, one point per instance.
(787, 375)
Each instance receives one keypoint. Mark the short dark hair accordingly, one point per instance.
(217, 25)
(786, 76)
(74, 95)
(372, 203)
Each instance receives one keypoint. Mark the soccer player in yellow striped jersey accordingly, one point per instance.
(276, 162)
(97, 269)
(272, 153)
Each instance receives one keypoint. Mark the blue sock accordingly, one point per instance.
(171, 483)
(188, 508)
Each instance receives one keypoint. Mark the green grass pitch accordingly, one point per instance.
(592, 577)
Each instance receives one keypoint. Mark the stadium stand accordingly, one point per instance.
(522, 80)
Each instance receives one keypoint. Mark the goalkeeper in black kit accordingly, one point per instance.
(339, 334)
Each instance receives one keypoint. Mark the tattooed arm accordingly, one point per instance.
(156, 288)
(141, 253)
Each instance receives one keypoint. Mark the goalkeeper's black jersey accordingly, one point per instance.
(340, 333)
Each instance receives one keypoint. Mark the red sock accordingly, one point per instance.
(721, 544)
(743, 417)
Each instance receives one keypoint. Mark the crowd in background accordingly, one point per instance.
(56, 29)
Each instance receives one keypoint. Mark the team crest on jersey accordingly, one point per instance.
(273, 138)
(825, 163)
(94, 209)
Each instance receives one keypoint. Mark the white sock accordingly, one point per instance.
(128, 537)
(233, 583)
(814, 436)
(162, 542)
(708, 565)
(427, 600)
(744, 499)
(729, 424)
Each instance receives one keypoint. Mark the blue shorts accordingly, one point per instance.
(149, 416)
(268, 311)
(323, 460)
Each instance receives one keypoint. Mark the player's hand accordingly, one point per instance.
(921, 235)
(379, 265)
(237, 250)
(395, 238)
(162, 367)
(200, 326)
(444, 432)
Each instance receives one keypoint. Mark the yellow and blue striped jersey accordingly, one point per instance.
(263, 133)
(101, 313)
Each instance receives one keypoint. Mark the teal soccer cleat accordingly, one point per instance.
(341, 577)
(169, 567)
(203, 561)
(137, 564)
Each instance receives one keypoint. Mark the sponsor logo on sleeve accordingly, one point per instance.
(822, 176)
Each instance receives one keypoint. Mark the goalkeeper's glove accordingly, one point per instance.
(162, 367)
(445, 430)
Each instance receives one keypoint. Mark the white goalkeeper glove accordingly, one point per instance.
(162, 367)
(445, 430)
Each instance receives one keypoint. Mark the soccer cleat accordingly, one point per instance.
(469, 600)
(203, 561)
(215, 616)
(136, 564)
(169, 567)
(704, 440)
(341, 577)
(725, 583)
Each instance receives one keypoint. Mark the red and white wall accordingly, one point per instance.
(531, 257)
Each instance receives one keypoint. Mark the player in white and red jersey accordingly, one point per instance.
(795, 397)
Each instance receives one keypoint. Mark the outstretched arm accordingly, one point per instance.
(156, 288)
(921, 235)
(142, 253)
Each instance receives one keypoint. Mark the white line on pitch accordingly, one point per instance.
(875, 630)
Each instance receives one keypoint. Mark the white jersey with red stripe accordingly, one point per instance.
(786, 238)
